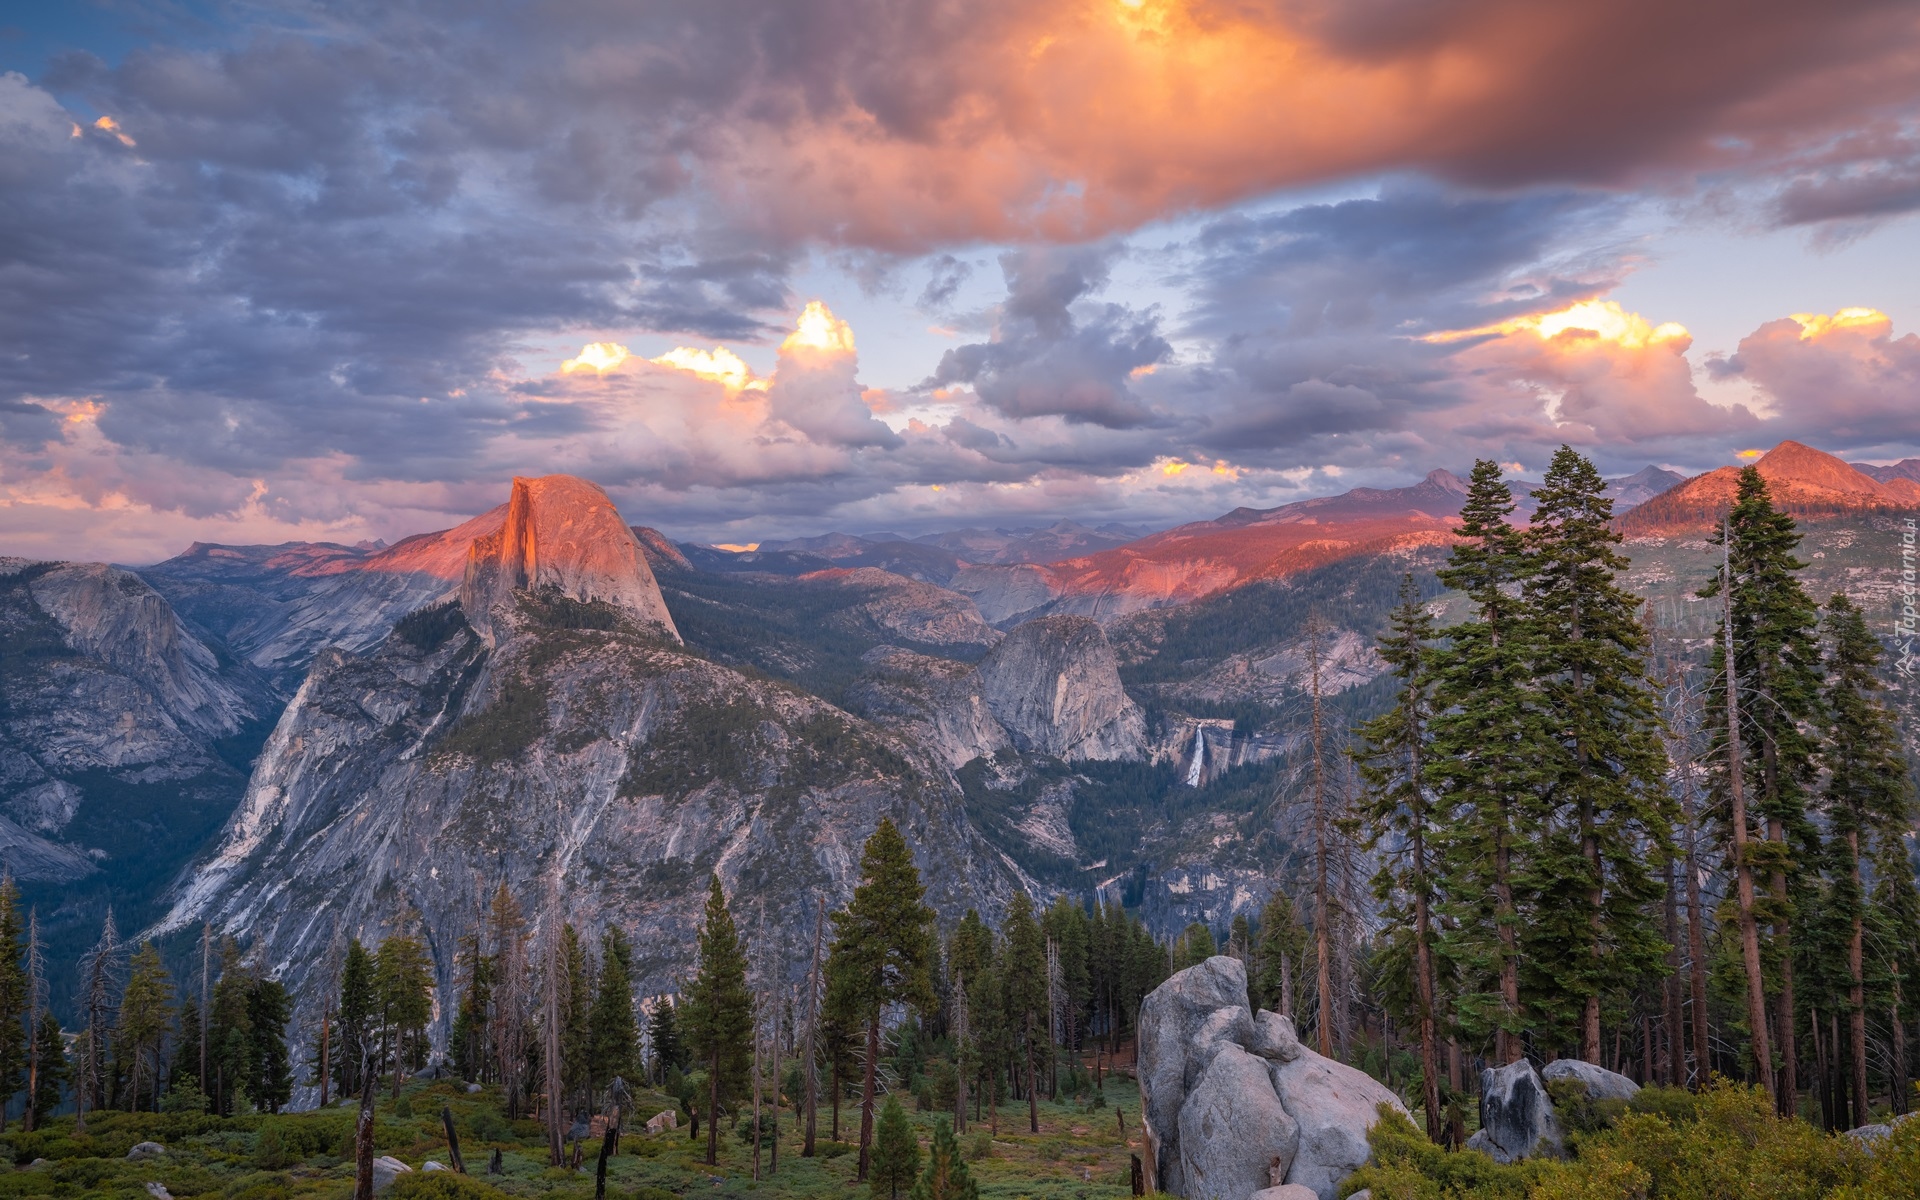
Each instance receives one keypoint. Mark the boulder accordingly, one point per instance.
(664, 1119)
(472, 1088)
(1602, 1084)
(1235, 1138)
(1516, 1117)
(145, 1151)
(386, 1169)
(1289, 1191)
(431, 1165)
(1274, 1037)
(1170, 1019)
(1223, 1027)
(1870, 1136)
(1335, 1106)
(158, 1191)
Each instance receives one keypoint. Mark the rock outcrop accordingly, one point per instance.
(1051, 687)
(1516, 1116)
(1233, 1105)
(560, 534)
(1601, 1084)
(1054, 685)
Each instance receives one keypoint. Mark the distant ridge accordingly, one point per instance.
(1804, 482)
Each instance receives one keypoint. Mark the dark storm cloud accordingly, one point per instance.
(1054, 352)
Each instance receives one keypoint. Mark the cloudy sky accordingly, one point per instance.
(277, 270)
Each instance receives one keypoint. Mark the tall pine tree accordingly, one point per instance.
(1488, 731)
(719, 1012)
(1604, 818)
(882, 946)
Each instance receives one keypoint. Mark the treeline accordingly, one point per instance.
(1591, 843)
(142, 1042)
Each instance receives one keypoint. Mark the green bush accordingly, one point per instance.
(649, 1192)
(442, 1185)
(489, 1126)
(1579, 1112)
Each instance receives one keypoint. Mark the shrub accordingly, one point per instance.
(270, 1151)
(489, 1126)
(649, 1192)
(442, 1185)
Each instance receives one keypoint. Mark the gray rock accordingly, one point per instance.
(666, 1118)
(1054, 685)
(473, 1087)
(1870, 1136)
(431, 1165)
(1274, 1037)
(1170, 1018)
(1235, 1138)
(1290, 1191)
(1602, 1084)
(1222, 1028)
(158, 1190)
(145, 1151)
(1516, 1117)
(1362, 1194)
(1335, 1106)
(386, 1169)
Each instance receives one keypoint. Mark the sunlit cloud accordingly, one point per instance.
(1603, 320)
(718, 364)
(598, 357)
(818, 329)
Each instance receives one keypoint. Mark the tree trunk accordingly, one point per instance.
(812, 1070)
(1506, 1047)
(1033, 1100)
(1696, 952)
(866, 1094)
(1856, 980)
(1743, 870)
(713, 1109)
(363, 1136)
(1899, 1051)
(1423, 970)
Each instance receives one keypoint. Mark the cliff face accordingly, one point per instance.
(1051, 687)
(593, 765)
(564, 534)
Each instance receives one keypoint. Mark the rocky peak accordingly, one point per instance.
(1054, 684)
(563, 533)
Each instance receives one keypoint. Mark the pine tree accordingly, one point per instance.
(15, 1019)
(1399, 814)
(1276, 956)
(1868, 798)
(613, 1038)
(719, 1017)
(1025, 981)
(230, 1033)
(144, 1017)
(1488, 732)
(1774, 633)
(663, 1035)
(946, 1176)
(896, 1153)
(576, 1028)
(186, 1046)
(403, 991)
(467, 1043)
(269, 1008)
(1605, 818)
(53, 1070)
(355, 1045)
(882, 945)
(512, 996)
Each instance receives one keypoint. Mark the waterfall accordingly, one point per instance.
(1199, 766)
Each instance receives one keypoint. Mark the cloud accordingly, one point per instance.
(1055, 353)
(1835, 380)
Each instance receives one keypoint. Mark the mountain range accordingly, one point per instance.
(306, 742)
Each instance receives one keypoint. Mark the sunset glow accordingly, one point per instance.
(599, 357)
(718, 364)
(1813, 325)
(819, 330)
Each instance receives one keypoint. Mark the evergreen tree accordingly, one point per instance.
(613, 1037)
(1067, 928)
(403, 991)
(1868, 798)
(15, 1000)
(1025, 1004)
(1401, 822)
(663, 1034)
(719, 1017)
(230, 1033)
(467, 1043)
(186, 1045)
(1603, 821)
(1194, 947)
(140, 1034)
(1775, 635)
(269, 1008)
(896, 1153)
(576, 1028)
(356, 1041)
(1487, 762)
(881, 947)
(53, 1067)
(946, 1176)
(1276, 956)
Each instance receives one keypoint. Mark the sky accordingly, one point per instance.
(273, 270)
